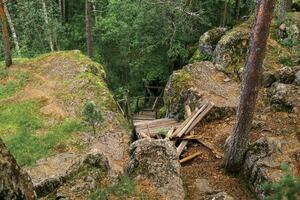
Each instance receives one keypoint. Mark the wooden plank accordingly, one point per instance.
(199, 118)
(188, 125)
(181, 147)
(190, 157)
(184, 143)
(155, 123)
(170, 132)
(188, 121)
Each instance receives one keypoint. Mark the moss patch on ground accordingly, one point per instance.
(19, 125)
(41, 102)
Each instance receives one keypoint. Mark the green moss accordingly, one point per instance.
(124, 188)
(15, 81)
(198, 57)
(27, 147)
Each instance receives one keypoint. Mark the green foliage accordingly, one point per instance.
(91, 115)
(19, 123)
(124, 188)
(288, 187)
(162, 132)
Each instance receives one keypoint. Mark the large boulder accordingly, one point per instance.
(231, 49)
(197, 83)
(157, 161)
(263, 161)
(230, 53)
(284, 97)
(209, 40)
(50, 173)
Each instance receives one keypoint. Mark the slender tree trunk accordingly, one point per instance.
(47, 25)
(13, 30)
(237, 9)
(88, 27)
(225, 13)
(5, 36)
(236, 145)
(14, 183)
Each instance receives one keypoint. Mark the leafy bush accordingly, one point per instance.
(288, 187)
(91, 115)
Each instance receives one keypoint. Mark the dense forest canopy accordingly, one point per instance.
(137, 41)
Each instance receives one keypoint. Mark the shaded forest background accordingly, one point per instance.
(139, 42)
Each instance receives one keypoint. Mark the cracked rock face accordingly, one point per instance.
(284, 97)
(198, 83)
(156, 161)
(209, 40)
(262, 163)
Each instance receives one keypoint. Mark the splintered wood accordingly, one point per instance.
(191, 122)
(155, 128)
(172, 129)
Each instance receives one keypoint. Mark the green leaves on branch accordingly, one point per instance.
(287, 188)
(91, 115)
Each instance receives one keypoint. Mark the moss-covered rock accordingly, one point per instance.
(41, 116)
(230, 53)
(209, 40)
(197, 83)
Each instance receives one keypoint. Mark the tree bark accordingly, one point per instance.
(47, 25)
(225, 13)
(237, 9)
(5, 36)
(14, 183)
(88, 27)
(236, 145)
(13, 30)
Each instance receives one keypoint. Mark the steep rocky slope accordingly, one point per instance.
(41, 105)
(275, 133)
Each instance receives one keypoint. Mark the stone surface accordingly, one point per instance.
(284, 97)
(203, 186)
(297, 78)
(209, 40)
(157, 161)
(198, 83)
(286, 75)
(262, 163)
(51, 172)
(231, 47)
(221, 196)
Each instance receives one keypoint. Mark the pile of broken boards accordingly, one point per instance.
(178, 132)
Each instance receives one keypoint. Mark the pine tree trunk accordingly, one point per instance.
(237, 9)
(225, 14)
(47, 25)
(88, 27)
(5, 36)
(13, 30)
(236, 145)
(14, 183)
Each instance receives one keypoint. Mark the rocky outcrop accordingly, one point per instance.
(284, 97)
(209, 40)
(262, 163)
(49, 173)
(157, 161)
(197, 83)
(231, 48)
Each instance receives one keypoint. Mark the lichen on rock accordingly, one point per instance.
(204, 83)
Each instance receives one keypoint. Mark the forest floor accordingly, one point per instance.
(267, 123)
